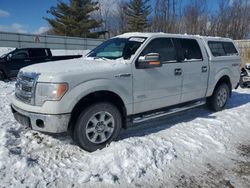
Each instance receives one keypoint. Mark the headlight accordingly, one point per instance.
(49, 92)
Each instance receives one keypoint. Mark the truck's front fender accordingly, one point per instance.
(91, 86)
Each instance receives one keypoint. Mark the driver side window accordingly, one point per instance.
(20, 55)
(162, 46)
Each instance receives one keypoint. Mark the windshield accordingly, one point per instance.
(117, 48)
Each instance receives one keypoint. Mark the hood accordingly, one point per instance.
(82, 67)
(73, 65)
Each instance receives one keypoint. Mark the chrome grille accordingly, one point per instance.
(25, 87)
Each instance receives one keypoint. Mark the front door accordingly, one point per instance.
(18, 60)
(157, 87)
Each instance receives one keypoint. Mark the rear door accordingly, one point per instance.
(157, 87)
(195, 68)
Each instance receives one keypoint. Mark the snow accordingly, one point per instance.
(69, 52)
(176, 151)
(4, 50)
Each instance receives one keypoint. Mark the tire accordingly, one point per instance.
(219, 98)
(97, 126)
(2, 75)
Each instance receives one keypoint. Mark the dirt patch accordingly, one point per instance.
(211, 178)
(244, 150)
(244, 165)
(244, 169)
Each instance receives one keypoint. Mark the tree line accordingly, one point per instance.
(106, 18)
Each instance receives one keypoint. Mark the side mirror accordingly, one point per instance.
(150, 60)
(9, 56)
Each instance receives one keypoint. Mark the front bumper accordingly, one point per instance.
(42, 122)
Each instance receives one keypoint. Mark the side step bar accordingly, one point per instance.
(169, 112)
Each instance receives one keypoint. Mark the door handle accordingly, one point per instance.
(204, 69)
(177, 72)
(123, 75)
(27, 60)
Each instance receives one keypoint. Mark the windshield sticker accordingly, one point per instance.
(135, 39)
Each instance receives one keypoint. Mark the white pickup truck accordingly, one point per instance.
(128, 79)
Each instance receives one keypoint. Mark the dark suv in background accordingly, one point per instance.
(13, 61)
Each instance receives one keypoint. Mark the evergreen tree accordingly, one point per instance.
(137, 13)
(74, 19)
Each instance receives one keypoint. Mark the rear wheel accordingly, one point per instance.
(219, 98)
(97, 126)
(2, 75)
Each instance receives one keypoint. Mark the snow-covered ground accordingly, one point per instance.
(197, 148)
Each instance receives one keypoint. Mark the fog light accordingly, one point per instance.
(40, 123)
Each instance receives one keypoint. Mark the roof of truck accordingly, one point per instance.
(161, 34)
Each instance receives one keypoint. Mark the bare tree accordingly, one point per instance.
(240, 19)
(232, 20)
(109, 15)
(196, 17)
(161, 12)
(123, 20)
(165, 15)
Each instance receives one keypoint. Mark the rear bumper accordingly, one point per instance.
(42, 122)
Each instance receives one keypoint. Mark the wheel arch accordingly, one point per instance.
(224, 79)
(94, 97)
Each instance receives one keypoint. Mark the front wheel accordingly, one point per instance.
(97, 126)
(219, 98)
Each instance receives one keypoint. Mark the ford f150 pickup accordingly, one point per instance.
(13, 61)
(128, 79)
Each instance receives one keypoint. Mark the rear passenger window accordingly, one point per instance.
(163, 46)
(35, 53)
(191, 49)
(222, 48)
